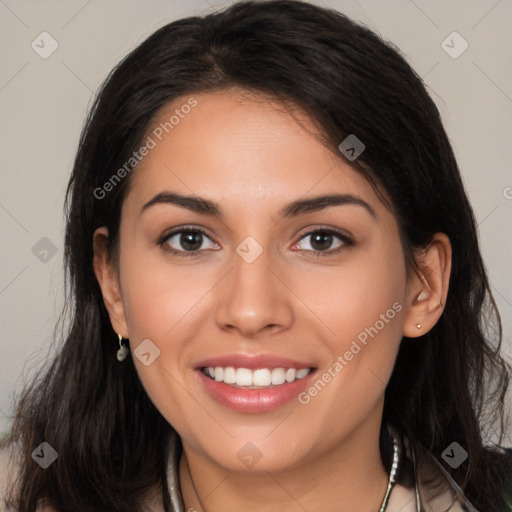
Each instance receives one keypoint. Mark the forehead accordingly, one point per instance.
(239, 147)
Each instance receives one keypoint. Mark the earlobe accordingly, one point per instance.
(109, 282)
(428, 287)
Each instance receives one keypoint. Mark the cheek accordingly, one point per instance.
(353, 296)
(363, 306)
(158, 304)
(158, 294)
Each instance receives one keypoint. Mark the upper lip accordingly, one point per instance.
(252, 362)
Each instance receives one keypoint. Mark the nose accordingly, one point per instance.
(253, 299)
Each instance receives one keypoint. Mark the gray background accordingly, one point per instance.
(43, 103)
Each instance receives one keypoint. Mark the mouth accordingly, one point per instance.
(260, 378)
(254, 390)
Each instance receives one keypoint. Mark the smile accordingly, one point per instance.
(260, 390)
(260, 378)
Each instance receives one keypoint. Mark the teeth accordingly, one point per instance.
(243, 377)
(290, 374)
(229, 375)
(260, 378)
(278, 376)
(301, 373)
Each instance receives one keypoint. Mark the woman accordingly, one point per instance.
(277, 296)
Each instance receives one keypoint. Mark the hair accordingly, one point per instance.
(450, 385)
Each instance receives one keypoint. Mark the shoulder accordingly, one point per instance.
(441, 492)
(403, 499)
(448, 499)
(436, 489)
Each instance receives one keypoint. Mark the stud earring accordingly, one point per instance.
(418, 326)
(122, 352)
(422, 295)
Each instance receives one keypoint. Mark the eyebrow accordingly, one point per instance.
(205, 206)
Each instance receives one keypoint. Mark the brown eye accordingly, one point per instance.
(321, 240)
(186, 242)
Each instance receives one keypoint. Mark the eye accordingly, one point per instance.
(188, 240)
(322, 240)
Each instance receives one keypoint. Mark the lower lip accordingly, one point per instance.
(254, 400)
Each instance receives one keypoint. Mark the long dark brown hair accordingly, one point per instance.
(448, 386)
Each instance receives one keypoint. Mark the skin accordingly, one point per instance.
(252, 158)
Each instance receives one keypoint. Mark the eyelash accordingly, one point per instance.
(347, 242)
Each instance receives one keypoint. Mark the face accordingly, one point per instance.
(252, 273)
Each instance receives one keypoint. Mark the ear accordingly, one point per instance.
(109, 282)
(427, 286)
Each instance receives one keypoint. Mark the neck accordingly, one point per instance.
(349, 477)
